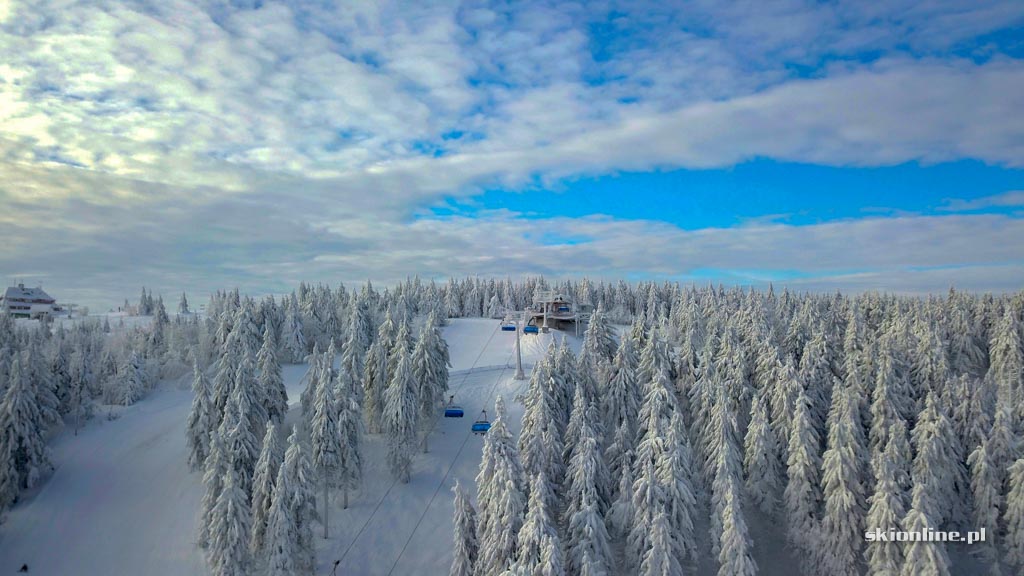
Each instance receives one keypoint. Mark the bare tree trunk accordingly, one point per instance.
(346, 498)
(325, 507)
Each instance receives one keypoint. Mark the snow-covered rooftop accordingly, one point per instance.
(21, 292)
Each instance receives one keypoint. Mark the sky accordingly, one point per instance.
(197, 145)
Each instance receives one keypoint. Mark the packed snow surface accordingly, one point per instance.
(122, 501)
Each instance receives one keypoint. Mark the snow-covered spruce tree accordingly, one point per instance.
(620, 515)
(200, 420)
(230, 525)
(987, 499)
(843, 487)
(540, 441)
(263, 485)
(1013, 517)
(132, 380)
(802, 494)
(938, 465)
(224, 378)
(326, 439)
(293, 342)
(599, 338)
(270, 379)
(241, 440)
(375, 382)
(537, 526)
(1007, 363)
(39, 374)
(430, 365)
(282, 544)
(466, 546)
(621, 404)
(725, 463)
(923, 557)
(213, 477)
(500, 500)
(782, 398)
(586, 467)
(675, 472)
(761, 458)
(301, 485)
(350, 429)
(888, 506)
(25, 456)
(320, 364)
(400, 417)
(734, 556)
(588, 540)
(1004, 445)
(659, 558)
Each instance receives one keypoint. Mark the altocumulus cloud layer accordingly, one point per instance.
(196, 145)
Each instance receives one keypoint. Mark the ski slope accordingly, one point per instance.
(122, 501)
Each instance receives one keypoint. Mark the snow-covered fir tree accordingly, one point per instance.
(803, 492)
(200, 420)
(269, 379)
(400, 416)
(537, 528)
(987, 498)
(263, 486)
(888, 507)
(24, 457)
(325, 438)
(842, 521)
(230, 524)
(761, 458)
(465, 546)
(1013, 518)
(921, 557)
(501, 503)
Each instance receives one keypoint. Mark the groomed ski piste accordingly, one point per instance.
(122, 501)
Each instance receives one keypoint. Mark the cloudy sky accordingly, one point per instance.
(192, 145)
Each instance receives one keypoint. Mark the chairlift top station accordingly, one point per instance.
(552, 309)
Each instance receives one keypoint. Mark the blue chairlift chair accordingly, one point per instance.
(482, 425)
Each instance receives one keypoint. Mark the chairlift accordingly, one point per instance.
(508, 327)
(482, 425)
(531, 330)
(563, 308)
(453, 410)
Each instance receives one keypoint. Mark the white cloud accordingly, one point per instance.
(1011, 199)
(223, 144)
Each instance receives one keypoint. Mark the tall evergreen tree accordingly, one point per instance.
(263, 486)
(466, 546)
(843, 520)
(270, 380)
(230, 525)
(325, 438)
(885, 558)
(802, 494)
(761, 458)
(923, 557)
(400, 417)
(987, 493)
(21, 432)
(200, 420)
(1013, 518)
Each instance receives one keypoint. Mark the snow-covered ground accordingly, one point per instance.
(122, 501)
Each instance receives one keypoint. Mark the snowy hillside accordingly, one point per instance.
(121, 500)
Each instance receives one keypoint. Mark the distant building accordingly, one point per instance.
(22, 302)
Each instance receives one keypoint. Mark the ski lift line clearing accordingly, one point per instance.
(451, 466)
(380, 502)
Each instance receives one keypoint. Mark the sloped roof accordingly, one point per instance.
(24, 292)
